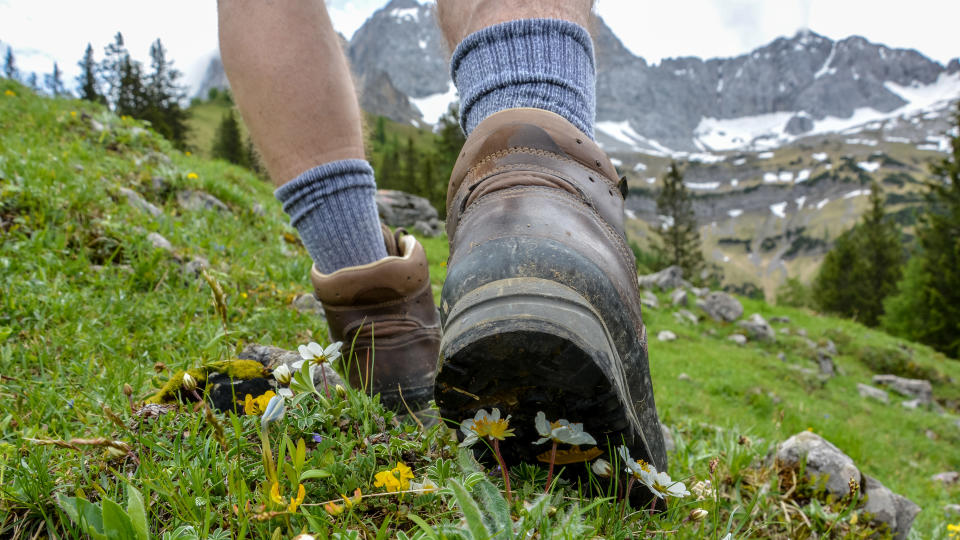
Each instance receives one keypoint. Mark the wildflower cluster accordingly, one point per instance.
(279, 499)
(395, 479)
(658, 482)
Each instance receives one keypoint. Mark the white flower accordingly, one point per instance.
(483, 424)
(189, 383)
(275, 410)
(602, 468)
(428, 486)
(282, 374)
(641, 470)
(702, 489)
(561, 431)
(662, 486)
(313, 351)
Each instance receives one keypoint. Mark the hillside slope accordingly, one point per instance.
(93, 299)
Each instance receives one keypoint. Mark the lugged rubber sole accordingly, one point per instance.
(528, 344)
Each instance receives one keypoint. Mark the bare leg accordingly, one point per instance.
(291, 83)
(460, 18)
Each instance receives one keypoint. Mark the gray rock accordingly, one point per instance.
(781, 356)
(401, 209)
(139, 202)
(667, 439)
(666, 335)
(683, 377)
(679, 297)
(686, 316)
(721, 306)
(785, 331)
(831, 348)
(195, 200)
(823, 460)
(159, 185)
(930, 434)
(910, 404)
(159, 242)
(195, 266)
(810, 343)
(952, 509)
(802, 332)
(780, 319)
(649, 299)
(887, 507)
(916, 388)
(825, 363)
(739, 339)
(758, 328)
(868, 391)
(946, 478)
(258, 210)
(428, 228)
(665, 280)
(307, 303)
(700, 292)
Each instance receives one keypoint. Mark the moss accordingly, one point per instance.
(235, 369)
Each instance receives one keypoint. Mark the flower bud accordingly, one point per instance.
(127, 389)
(282, 374)
(341, 391)
(275, 410)
(697, 514)
(189, 383)
(601, 468)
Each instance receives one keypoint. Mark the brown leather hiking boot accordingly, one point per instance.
(387, 306)
(541, 306)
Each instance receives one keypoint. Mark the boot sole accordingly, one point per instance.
(529, 344)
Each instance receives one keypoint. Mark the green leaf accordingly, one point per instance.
(301, 454)
(91, 518)
(496, 506)
(424, 526)
(314, 473)
(69, 505)
(470, 511)
(291, 475)
(116, 522)
(137, 513)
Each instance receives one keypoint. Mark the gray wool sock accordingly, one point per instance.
(540, 63)
(334, 209)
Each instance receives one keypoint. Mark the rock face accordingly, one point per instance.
(400, 209)
(873, 393)
(896, 511)
(822, 459)
(721, 306)
(665, 280)
(915, 388)
(758, 328)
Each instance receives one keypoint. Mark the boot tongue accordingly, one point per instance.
(391, 240)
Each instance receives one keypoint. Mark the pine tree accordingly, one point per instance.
(863, 267)
(164, 94)
(450, 140)
(112, 67)
(679, 236)
(411, 167)
(131, 94)
(380, 131)
(227, 142)
(54, 82)
(32, 81)
(10, 66)
(87, 80)
(926, 307)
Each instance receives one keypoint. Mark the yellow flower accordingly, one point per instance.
(275, 494)
(10, 93)
(953, 530)
(192, 176)
(297, 500)
(396, 479)
(256, 405)
(187, 153)
(73, 114)
(335, 509)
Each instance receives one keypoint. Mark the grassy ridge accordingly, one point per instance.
(90, 304)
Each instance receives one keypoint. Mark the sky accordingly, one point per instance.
(44, 31)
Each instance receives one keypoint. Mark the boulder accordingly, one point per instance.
(195, 266)
(823, 460)
(915, 388)
(946, 478)
(758, 328)
(428, 228)
(739, 339)
(665, 280)
(678, 297)
(831, 348)
(649, 299)
(666, 335)
(700, 292)
(686, 316)
(896, 511)
(952, 509)
(825, 363)
(194, 200)
(139, 202)
(721, 306)
(782, 319)
(401, 209)
(910, 404)
(868, 391)
(158, 241)
(307, 303)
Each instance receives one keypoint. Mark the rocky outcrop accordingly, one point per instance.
(665, 280)
(758, 328)
(868, 391)
(915, 388)
(721, 306)
(400, 209)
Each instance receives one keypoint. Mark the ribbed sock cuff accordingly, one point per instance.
(540, 63)
(333, 207)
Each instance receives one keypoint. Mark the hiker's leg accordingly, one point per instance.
(515, 53)
(292, 84)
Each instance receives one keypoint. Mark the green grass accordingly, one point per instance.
(89, 305)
